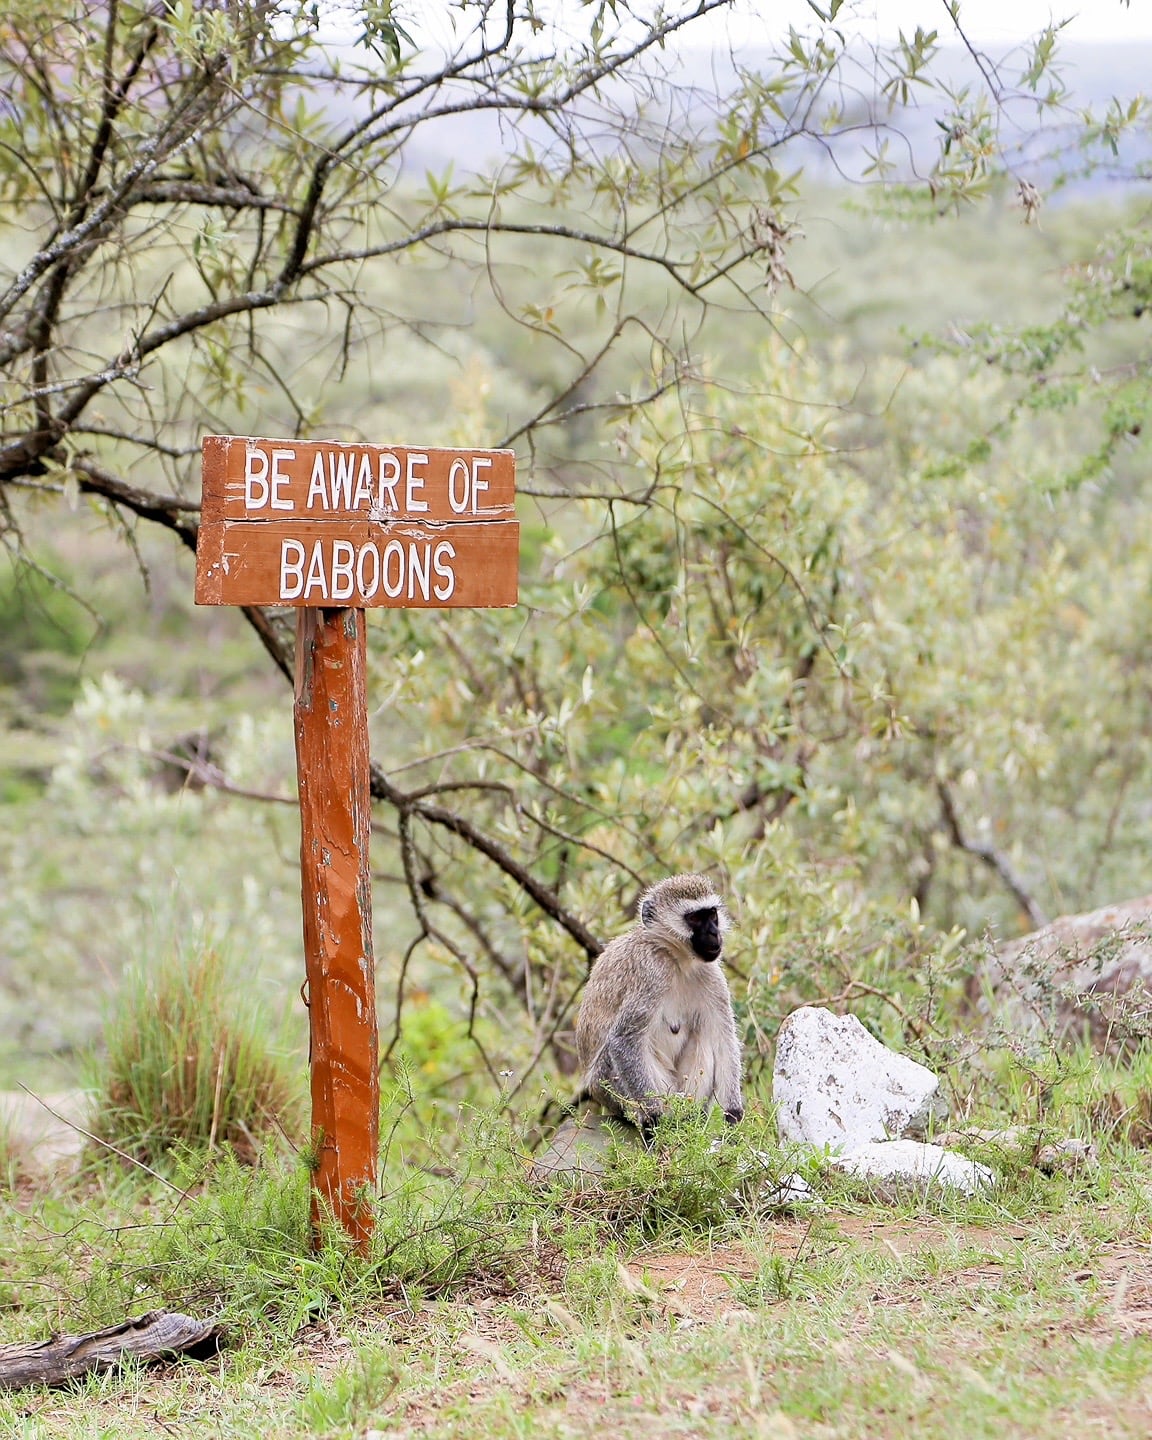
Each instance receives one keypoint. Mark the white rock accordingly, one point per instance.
(755, 1172)
(922, 1164)
(835, 1085)
(579, 1149)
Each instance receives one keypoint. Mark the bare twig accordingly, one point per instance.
(104, 1144)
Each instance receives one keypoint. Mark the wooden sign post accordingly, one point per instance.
(330, 529)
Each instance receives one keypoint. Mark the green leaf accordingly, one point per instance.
(382, 32)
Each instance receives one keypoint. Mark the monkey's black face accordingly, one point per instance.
(707, 940)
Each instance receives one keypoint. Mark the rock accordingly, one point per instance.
(1067, 1156)
(759, 1176)
(44, 1135)
(1005, 1141)
(915, 1162)
(835, 1085)
(579, 1149)
(1082, 976)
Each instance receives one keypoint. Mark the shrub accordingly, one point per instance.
(189, 1064)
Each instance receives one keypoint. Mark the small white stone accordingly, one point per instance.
(835, 1085)
(792, 1193)
(911, 1160)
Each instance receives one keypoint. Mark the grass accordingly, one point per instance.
(968, 1337)
(668, 1303)
(664, 1304)
(11, 1166)
(667, 1300)
(189, 1064)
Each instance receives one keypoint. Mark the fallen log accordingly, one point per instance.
(157, 1335)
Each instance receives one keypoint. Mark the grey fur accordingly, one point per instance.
(656, 1020)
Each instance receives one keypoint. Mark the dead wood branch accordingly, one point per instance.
(158, 1335)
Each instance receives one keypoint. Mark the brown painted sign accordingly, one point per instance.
(286, 522)
(331, 529)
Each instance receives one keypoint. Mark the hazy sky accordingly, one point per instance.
(990, 22)
(984, 20)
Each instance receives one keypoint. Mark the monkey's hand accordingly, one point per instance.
(735, 1115)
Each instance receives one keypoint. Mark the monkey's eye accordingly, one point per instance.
(700, 917)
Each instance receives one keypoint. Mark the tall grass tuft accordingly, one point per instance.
(190, 1064)
(11, 1167)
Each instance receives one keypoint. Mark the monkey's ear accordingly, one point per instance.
(647, 911)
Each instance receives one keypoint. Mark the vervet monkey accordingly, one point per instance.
(656, 1018)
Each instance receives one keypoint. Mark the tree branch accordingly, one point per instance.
(990, 856)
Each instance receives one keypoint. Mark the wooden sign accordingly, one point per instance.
(333, 528)
(321, 523)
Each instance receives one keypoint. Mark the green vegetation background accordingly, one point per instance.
(978, 566)
(981, 581)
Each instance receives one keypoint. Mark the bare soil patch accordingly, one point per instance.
(1123, 1275)
(701, 1286)
(44, 1133)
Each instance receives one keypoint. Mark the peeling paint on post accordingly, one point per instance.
(331, 723)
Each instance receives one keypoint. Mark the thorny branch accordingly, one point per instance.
(118, 178)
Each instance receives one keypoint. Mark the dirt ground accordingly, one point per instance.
(701, 1285)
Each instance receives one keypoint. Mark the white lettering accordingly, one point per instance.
(316, 490)
(415, 573)
(279, 479)
(340, 478)
(341, 571)
(363, 498)
(479, 462)
(291, 569)
(387, 482)
(459, 467)
(255, 483)
(393, 548)
(343, 554)
(444, 551)
(367, 591)
(315, 579)
(415, 482)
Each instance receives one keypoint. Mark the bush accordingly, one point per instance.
(189, 1064)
